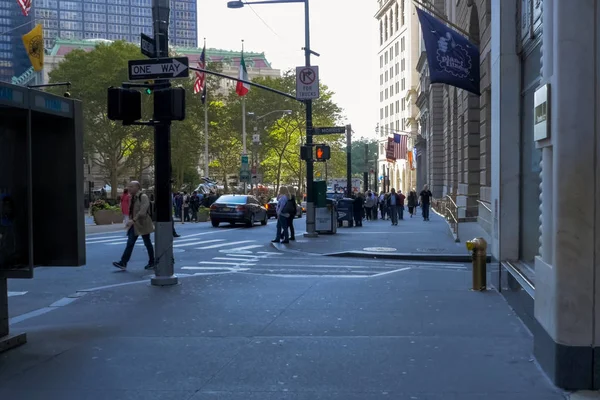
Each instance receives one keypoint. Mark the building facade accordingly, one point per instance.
(114, 20)
(13, 25)
(80, 20)
(398, 81)
(454, 125)
(256, 63)
(546, 178)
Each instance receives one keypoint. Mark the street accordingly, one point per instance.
(253, 320)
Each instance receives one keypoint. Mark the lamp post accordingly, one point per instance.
(255, 143)
(310, 211)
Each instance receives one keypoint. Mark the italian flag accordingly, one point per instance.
(242, 88)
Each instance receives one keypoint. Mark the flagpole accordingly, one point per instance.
(244, 150)
(206, 161)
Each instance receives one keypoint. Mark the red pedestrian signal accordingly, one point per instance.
(323, 152)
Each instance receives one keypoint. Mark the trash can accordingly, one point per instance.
(326, 218)
(345, 212)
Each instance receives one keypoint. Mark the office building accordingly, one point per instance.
(398, 80)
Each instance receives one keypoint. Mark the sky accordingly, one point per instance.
(345, 36)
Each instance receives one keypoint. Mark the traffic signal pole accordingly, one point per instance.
(164, 269)
(348, 160)
(310, 200)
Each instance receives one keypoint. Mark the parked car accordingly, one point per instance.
(272, 209)
(235, 208)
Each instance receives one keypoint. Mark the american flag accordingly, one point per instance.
(25, 6)
(400, 146)
(199, 85)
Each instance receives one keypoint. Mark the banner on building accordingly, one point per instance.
(34, 45)
(389, 151)
(410, 160)
(452, 58)
(25, 6)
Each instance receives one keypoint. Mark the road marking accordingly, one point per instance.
(241, 256)
(214, 246)
(222, 263)
(197, 242)
(246, 248)
(394, 271)
(12, 294)
(235, 259)
(120, 239)
(269, 252)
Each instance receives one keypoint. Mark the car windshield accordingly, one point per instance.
(232, 199)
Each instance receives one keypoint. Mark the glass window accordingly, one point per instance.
(230, 199)
(70, 5)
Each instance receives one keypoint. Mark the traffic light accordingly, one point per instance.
(323, 152)
(124, 104)
(148, 90)
(169, 104)
(305, 153)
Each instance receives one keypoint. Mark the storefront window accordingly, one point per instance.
(529, 212)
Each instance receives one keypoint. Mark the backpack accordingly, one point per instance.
(290, 206)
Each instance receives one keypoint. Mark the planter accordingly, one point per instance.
(203, 217)
(107, 217)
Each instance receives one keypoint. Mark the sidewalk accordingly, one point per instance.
(414, 334)
(412, 239)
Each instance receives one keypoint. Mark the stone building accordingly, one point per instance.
(454, 125)
(398, 80)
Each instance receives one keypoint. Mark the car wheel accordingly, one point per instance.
(215, 223)
(250, 223)
(264, 221)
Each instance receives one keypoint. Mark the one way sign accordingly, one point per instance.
(160, 68)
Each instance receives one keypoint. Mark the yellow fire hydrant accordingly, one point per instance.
(479, 248)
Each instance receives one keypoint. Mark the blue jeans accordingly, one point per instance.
(393, 210)
(401, 212)
(131, 239)
(282, 225)
(425, 207)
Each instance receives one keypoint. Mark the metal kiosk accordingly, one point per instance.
(41, 189)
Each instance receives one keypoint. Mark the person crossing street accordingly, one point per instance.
(139, 224)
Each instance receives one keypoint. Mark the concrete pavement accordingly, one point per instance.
(413, 333)
(412, 239)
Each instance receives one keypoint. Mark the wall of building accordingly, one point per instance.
(398, 55)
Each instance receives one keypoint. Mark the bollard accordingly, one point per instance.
(479, 248)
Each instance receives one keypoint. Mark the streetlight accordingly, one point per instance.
(310, 211)
(285, 112)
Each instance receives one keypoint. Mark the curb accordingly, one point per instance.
(459, 258)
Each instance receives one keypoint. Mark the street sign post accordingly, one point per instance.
(147, 45)
(329, 130)
(307, 83)
(160, 68)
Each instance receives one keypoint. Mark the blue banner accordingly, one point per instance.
(452, 58)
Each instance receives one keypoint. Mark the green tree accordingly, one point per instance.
(109, 144)
(358, 155)
(282, 136)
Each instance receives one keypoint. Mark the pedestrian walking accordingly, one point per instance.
(412, 202)
(382, 204)
(426, 198)
(125, 200)
(358, 208)
(393, 202)
(194, 205)
(292, 199)
(369, 204)
(186, 208)
(282, 217)
(401, 198)
(139, 224)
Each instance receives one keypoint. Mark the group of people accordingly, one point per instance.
(186, 205)
(286, 212)
(390, 205)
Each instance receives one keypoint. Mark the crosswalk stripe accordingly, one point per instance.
(93, 239)
(242, 256)
(120, 239)
(269, 252)
(222, 263)
(197, 242)
(235, 259)
(246, 248)
(214, 246)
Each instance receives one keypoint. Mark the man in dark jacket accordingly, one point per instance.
(358, 209)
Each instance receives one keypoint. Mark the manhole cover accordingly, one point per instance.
(382, 249)
(431, 250)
